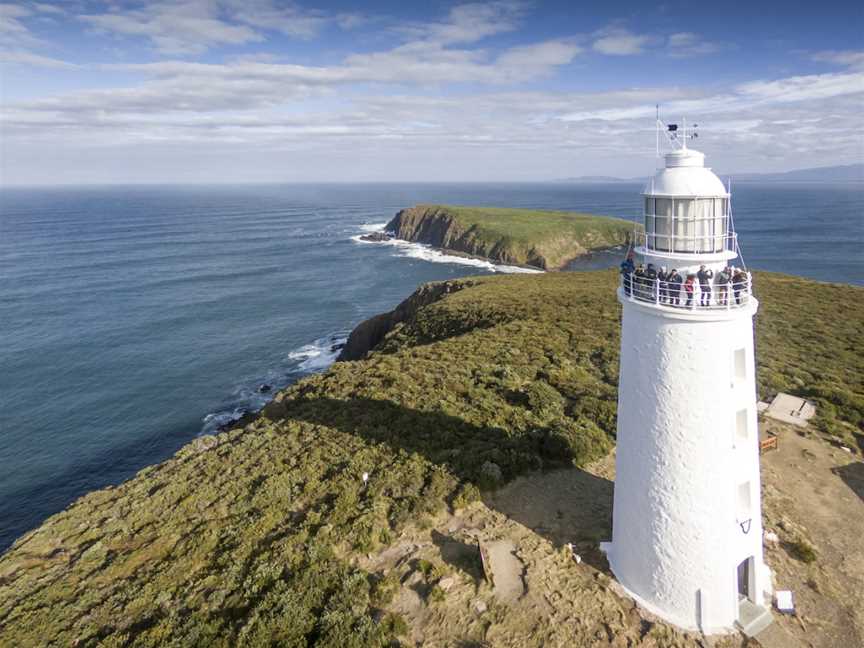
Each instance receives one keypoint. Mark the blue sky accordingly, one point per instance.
(108, 91)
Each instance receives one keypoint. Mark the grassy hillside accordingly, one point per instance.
(252, 537)
(545, 239)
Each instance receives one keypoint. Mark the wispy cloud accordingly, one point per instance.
(470, 23)
(13, 31)
(182, 27)
(687, 44)
(20, 57)
(618, 41)
(847, 58)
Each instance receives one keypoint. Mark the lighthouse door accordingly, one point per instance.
(744, 573)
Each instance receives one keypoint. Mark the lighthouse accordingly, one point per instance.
(686, 529)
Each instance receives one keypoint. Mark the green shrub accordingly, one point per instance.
(544, 400)
(467, 495)
(802, 550)
(489, 477)
(384, 588)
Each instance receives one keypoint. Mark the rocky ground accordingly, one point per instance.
(540, 594)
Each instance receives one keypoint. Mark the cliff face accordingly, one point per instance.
(369, 333)
(545, 243)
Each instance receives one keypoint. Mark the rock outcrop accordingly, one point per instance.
(369, 333)
(548, 245)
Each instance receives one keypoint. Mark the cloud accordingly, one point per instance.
(194, 26)
(33, 60)
(440, 103)
(687, 44)
(849, 58)
(289, 19)
(617, 41)
(175, 27)
(13, 32)
(547, 54)
(469, 23)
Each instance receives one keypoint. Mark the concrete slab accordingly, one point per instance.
(791, 409)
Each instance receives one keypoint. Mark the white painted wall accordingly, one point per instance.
(677, 540)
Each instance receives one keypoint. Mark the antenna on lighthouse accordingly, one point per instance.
(657, 126)
(677, 136)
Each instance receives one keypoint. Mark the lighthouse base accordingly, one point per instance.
(752, 618)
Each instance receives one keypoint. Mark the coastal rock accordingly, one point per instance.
(543, 240)
(369, 333)
(376, 237)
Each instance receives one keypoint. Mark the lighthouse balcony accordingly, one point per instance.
(685, 296)
(681, 245)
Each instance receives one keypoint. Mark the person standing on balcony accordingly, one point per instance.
(673, 282)
(739, 281)
(689, 287)
(705, 277)
(651, 283)
(639, 282)
(627, 268)
(663, 276)
(723, 279)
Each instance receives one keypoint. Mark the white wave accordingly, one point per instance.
(433, 255)
(373, 227)
(247, 396)
(318, 355)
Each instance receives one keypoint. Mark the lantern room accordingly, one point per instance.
(686, 208)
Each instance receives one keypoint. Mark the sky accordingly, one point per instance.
(221, 91)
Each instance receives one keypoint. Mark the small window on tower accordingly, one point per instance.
(740, 367)
(744, 499)
(741, 432)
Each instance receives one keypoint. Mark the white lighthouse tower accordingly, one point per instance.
(687, 531)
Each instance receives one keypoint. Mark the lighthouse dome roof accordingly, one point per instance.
(685, 174)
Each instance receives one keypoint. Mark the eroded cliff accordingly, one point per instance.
(542, 239)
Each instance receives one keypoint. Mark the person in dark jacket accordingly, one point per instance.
(723, 279)
(739, 283)
(663, 276)
(673, 283)
(639, 282)
(627, 268)
(705, 277)
(651, 282)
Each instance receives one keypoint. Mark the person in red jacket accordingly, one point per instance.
(689, 287)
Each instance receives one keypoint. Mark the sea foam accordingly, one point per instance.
(430, 254)
(247, 397)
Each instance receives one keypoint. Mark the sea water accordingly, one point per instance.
(134, 318)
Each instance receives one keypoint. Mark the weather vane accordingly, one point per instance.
(677, 136)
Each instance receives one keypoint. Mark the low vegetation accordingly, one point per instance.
(250, 537)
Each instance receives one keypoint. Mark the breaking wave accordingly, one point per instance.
(252, 394)
(434, 255)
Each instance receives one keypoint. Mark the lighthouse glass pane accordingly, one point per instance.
(649, 222)
(684, 211)
(720, 228)
(663, 224)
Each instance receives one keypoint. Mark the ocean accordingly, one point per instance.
(134, 318)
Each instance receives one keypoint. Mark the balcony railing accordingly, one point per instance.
(690, 296)
(687, 244)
